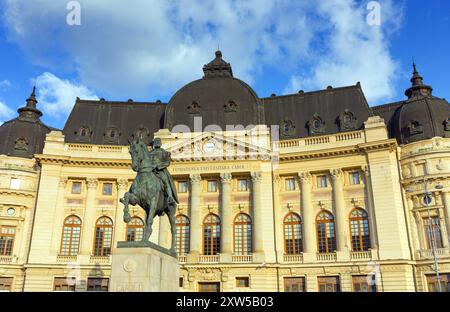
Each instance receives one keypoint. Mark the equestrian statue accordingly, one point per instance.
(153, 188)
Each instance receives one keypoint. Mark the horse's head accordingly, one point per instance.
(138, 151)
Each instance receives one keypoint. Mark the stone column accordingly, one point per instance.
(446, 201)
(257, 218)
(340, 212)
(59, 216)
(370, 208)
(423, 240)
(278, 215)
(309, 230)
(226, 217)
(195, 219)
(87, 232)
(413, 222)
(164, 235)
(120, 226)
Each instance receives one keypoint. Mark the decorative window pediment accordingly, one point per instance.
(194, 108)
(84, 134)
(347, 121)
(21, 144)
(230, 107)
(111, 135)
(316, 125)
(287, 128)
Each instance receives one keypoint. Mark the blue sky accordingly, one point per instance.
(146, 50)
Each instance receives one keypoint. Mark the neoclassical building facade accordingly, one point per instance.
(314, 191)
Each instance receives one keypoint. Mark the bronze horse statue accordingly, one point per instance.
(147, 191)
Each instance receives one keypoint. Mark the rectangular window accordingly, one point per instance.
(7, 235)
(15, 184)
(180, 282)
(290, 184)
(354, 178)
(107, 188)
(321, 181)
(76, 187)
(364, 283)
(433, 284)
(294, 284)
(212, 186)
(98, 284)
(6, 284)
(65, 284)
(329, 284)
(433, 231)
(209, 287)
(182, 186)
(242, 282)
(242, 185)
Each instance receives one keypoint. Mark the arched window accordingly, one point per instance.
(135, 230)
(183, 227)
(70, 241)
(211, 235)
(326, 233)
(242, 234)
(359, 229)
(293, 243)
(103, 237)
(433, 231)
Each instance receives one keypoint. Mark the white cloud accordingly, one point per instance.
(6, 113)
(4, 85)
(57, 96)
(151, 48)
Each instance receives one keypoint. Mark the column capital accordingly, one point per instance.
(305, 176)
(366, 170)
(195, 178)
(337, 174)
(122, 184)
(92, 183)
(63, 181)
(256, 176)
(225, 177)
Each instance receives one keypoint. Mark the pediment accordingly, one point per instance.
(215, 146)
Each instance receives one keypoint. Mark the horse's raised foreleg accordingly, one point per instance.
(127, 199)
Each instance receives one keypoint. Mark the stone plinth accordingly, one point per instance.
(143, 267)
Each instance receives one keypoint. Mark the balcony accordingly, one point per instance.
(293, 258)
(361, 255)
(326, 257)
(105, 260)
(182, 259)
(209, 259)
(428, 253)
(242, 258)
(66, 259)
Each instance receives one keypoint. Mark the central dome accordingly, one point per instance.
(218, 98)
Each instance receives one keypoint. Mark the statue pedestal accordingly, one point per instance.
(143, 267)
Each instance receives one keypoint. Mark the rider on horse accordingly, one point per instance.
(160, 159)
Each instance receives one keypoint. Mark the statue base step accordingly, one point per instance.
(144, 267)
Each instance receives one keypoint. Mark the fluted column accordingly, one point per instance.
(257, 218)
(309, 231)
(59, 216)
(340, 212)
(423, 240)
(446, 201)
(195, 218)
(119, 225)
(164, 233)
(87, 232)
(413, 222)
(226, 218)
(278, 215)
(370, 208)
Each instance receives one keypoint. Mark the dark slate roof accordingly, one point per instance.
(297, 110)
(24, 136)
(421, 116)
(113, 123)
